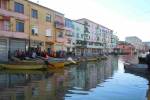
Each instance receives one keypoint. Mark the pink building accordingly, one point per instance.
(126, 48)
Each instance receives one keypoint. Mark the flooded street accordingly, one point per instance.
(102, 80)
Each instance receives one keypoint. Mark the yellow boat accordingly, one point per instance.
(22, 67)
(9, 71)
(54, 65)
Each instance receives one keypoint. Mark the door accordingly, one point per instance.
(17, 45)
(3, 50)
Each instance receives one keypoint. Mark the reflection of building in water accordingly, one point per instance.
(55, 85)
(32, 86)
(114, 62)
(88, 75)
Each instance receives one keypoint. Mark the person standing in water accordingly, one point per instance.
(148, 60)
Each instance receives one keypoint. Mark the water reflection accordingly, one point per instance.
(73, 81)
(145, 75)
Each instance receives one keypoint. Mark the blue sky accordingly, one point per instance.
(125, 17)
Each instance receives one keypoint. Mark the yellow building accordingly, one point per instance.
(13, 27)
(45, 27)
(25, 24)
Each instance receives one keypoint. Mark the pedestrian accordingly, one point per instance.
(148, 60)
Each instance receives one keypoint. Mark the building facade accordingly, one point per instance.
(78, 33)
(25, 25)
(114, 41)
(125, 48)
(46, 28)
(13, 27)
(97, 37)
(136, 42)
(70, 38)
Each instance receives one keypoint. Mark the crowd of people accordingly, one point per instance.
(34, 53)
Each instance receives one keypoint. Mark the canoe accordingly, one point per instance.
(138, 69)
(22, 67)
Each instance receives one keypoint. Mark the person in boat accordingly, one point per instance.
(148, 60)
(34, 55)
(46, 60)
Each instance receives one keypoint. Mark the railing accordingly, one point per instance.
(59, 25)
(14, 14)
(20, 35)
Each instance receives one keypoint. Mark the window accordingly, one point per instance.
(48, 32)
(82, 36)
(34, 13)
(69, 41)
(3, 4)
(48, 18)
(90, 43)
(6, 25)
(34, 30)
(19, 26)
(19, 7)
(60, 34)
(78, 35)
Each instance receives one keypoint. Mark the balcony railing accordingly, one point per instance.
(14, 14)
(11, 34)
(59, 25)
(50, 39)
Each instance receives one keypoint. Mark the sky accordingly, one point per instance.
(124, 17)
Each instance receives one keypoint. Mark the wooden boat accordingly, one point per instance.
(22, 67)
(59, 62)
(35, 72)
(17, 61)
(54, 65)
(136, 68)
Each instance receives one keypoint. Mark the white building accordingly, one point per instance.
(114, 41)
(98, 37)
(136, 42)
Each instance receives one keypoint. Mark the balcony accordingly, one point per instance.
(80, 43)
(59, 25)
(60, 40)
(20, 16)
(10, 34)
(50, 40)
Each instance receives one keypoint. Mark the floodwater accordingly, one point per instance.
(103, 80)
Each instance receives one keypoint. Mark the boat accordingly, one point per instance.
(35, 72)
(59, 62)
(56, 65)
(142, 60)
(22, 67)
(139, 69)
